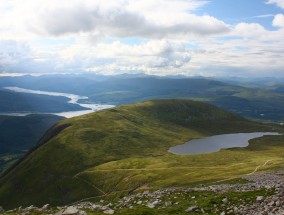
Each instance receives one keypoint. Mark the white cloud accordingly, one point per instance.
(12, 53)
(19, 57)
(278, 20)
(116, 18)
(154, 55)
(249, 30)
(279, 3)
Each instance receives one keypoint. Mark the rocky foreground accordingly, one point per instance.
(262, 194)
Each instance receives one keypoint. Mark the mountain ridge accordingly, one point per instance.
(135, 135)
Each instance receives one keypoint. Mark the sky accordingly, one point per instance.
(212, 38)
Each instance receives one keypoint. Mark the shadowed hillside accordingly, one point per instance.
(18, 134)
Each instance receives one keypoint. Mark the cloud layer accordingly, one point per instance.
(161, 37)
(116, 18)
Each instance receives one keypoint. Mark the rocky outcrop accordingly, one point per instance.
(271, 204)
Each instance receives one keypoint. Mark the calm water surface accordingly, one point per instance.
(73, 99)
(215, 143)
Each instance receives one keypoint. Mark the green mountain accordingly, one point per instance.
(18, 134)
(116, 151)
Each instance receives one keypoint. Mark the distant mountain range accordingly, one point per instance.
(257, 99)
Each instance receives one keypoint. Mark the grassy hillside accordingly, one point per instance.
(104, 154)
(19, 134)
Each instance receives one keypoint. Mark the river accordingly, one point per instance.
(74, 99)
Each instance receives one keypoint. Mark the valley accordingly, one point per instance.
(12, 102)
(73, 99)
(19, 134)
(119, 151)
(110, 153)
(258, 101)
(140, 107)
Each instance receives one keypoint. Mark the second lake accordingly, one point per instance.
(216, 143)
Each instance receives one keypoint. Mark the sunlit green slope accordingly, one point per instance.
(124, 148)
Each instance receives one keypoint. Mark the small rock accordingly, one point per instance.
(192, 209)
(82, 213)
(30, 208)
(259, 198)
(96, 207)
(150, 205)
(1, 209)
(139, 202)
(271, 203)
(223, 213)
(59, 212)
(225, 200)
(109, 211)
(154, 204)
(168, 203)
(45, 207)
(70, 210)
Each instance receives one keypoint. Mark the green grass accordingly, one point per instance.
(115, 151)
(172, 170)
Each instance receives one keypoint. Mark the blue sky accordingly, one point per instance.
(161, 37)
(237, 11)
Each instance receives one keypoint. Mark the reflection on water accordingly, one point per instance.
(215, 143)
(73, 100)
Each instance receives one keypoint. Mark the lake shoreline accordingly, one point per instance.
(215, 143)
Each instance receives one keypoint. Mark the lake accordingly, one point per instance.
(216, 143)
(73, 99)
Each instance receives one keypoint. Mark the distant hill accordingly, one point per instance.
(19, 134)
(106, 153)
(254, 101)
(278, 88)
